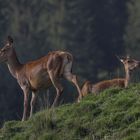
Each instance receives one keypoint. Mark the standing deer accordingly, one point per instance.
(129, 65)
(39, 74)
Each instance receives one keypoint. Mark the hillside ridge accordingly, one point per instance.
(112, 115)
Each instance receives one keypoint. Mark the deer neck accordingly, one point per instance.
(127, 77)
(13, 63)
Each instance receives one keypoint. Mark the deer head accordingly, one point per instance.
(129, 63)
(7, 50)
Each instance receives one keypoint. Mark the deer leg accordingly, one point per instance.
(67, 73)
(26, 96)
(73, 78)
(57, 86)
(32, 103)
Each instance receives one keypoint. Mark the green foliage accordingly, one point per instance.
(114, 114)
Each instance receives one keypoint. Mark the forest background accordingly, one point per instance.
(94, 31)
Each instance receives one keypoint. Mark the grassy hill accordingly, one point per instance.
(113, 115)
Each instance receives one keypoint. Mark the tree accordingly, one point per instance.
(132, 30)
(95, 35)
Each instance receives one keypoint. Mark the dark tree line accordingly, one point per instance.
(94, 31)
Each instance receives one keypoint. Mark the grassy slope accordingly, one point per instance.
(113, 115)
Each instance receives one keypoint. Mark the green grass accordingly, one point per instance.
(112, 115)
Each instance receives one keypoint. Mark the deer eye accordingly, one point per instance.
(129, 61)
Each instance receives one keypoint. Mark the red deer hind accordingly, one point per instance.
(40, 73)
(129, 65)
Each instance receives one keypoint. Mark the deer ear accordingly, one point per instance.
(120, 59)
(128, 56)
(9, 41)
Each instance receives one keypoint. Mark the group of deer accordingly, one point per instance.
(48, 70)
